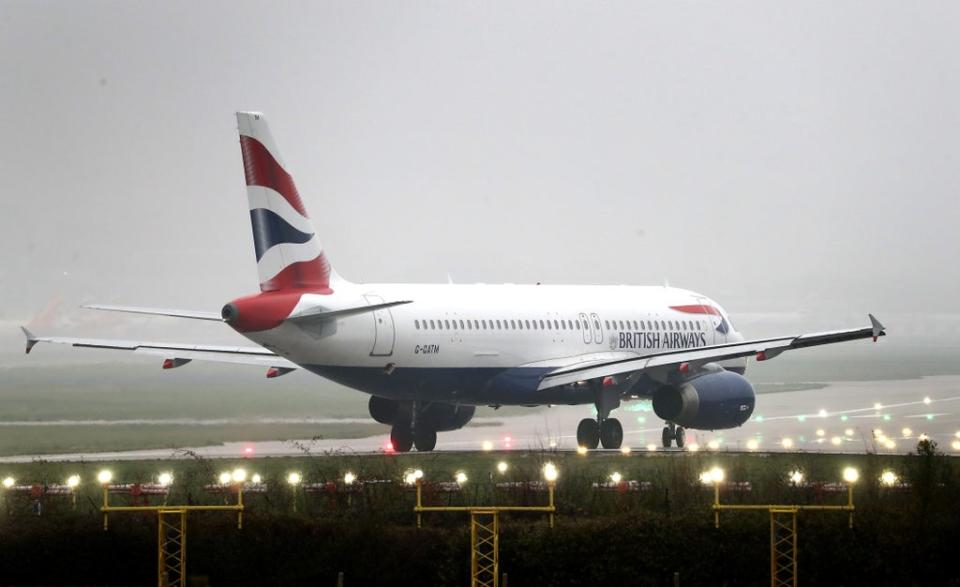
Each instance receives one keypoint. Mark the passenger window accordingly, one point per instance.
(527, 324)
(541, 325)
(498, 325)
(607, 323)
(417, 324)
(431, 325)
(635, 327)
(596, 324)
(513, 325)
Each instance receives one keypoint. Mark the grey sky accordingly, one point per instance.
(780, 157)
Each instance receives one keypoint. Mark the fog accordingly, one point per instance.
(795, 161)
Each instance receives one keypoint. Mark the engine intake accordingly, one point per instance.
(713, 401)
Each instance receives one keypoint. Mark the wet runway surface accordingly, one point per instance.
(853, 416)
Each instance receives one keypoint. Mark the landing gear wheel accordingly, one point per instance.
(401, 437)
(667, 437)
(424, 440)
(611, 433)
(680, 436)
(588, 433)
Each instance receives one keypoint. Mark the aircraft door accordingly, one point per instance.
(384, 333)
(587, 328)
(597, 329)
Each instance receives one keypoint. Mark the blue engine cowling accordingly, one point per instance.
(713, 401)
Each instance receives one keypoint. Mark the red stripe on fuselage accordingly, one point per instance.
(261, 169)
(697, 309)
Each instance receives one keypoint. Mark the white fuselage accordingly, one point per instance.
(454, 340)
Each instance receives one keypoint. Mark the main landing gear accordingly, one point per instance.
(407, 433)
(603, 430)
(672, 432)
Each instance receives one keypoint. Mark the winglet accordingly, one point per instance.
(878, 329)
(31, 339)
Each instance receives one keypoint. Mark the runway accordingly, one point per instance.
(851, 417)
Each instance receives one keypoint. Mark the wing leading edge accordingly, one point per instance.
(179, 354)
(763, 350)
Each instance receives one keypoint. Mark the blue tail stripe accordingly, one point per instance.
(270, 230)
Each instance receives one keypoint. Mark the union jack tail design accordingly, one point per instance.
(289, 255)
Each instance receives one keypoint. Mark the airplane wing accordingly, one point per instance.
(693, 359)
(175, 354)
(193, 314)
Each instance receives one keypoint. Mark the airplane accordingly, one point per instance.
(427, 355)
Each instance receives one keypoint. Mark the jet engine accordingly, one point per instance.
(445, 417)
(436, 416)
(713, 401)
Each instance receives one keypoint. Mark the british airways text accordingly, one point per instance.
(661, 340)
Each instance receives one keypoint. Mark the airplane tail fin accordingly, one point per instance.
(289, 254)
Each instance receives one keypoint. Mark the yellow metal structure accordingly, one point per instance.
(485, 533)
(485, 551)
(783, 547)
(783, 532)
(172, 541)
(172, 533)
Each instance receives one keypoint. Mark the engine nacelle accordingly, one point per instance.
(713, 401)
(446, 417)
(383, 410)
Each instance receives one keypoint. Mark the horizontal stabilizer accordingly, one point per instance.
(192, 314)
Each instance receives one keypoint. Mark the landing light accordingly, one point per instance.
(550, 472)
(927, 400)
(693, 447)
(239, 475)
(753, 444)
(848, 432)
(787, 443)
(888, 478)
(502, 467)
(821, 432)
(349, 478)
(651, 447)
(712, 476)
(823, 413)
(878, 406)
(581, 450)
(836, 441)
(294, 478)
(851, 475)
(796, 476)
(616, 477)
(224, 478)
(73, 481)
(104, 477)
(625, 450)
(907, 433)
(8, 482)
(256, 479)
(460, 477)
(487, 445)
(890, 444)
(713, 444)
(955, 445)
(165, 479)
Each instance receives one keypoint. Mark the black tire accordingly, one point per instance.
(401, 437)
(680, 436)
(611, 433)
(425, 439)
(667, 437)
(588, 433)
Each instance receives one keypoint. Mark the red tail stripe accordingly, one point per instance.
(313, 275)
(261, 169)
(697, 309)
